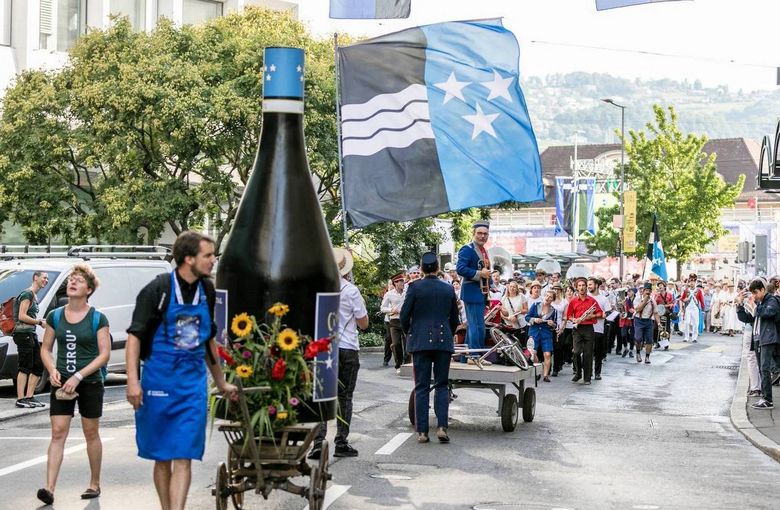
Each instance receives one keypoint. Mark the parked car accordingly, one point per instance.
(121, 279)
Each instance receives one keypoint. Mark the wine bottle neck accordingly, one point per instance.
(282, 106)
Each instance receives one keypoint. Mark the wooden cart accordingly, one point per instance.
(262, 464)
(496, 378)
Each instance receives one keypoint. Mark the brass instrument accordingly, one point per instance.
(484, 283)
(576, 321)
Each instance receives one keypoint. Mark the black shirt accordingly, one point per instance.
(159, 289)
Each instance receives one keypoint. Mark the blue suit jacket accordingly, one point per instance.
(429, 315)
(468, 265)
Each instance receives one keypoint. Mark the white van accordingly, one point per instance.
(121, 279)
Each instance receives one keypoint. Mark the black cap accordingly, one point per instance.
(648, 286)
(429, 262)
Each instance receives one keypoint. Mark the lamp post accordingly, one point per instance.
(622, 185)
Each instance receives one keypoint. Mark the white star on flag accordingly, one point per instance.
(452, 88)
(499, 87)
(299, 69)
(482, 122)
(329, 362)
(273, 68)
(268, 77)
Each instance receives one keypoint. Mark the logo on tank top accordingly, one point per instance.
(70, 352)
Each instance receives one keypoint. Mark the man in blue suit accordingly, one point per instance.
(429, 317)
(474, 267)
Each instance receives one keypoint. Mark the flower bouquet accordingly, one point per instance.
(273, 356)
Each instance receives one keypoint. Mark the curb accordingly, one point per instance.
(739, 417)
(14, 413)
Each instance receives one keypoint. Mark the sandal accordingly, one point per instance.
(90, 493)
(46, 496)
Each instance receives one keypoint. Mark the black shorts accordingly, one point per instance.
(90, 401)
(29, 351)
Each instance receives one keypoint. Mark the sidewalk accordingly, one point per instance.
(760, 427)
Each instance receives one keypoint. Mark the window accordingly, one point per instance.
(70, 22)
(135, 10)
(5, 22)
(199, 11)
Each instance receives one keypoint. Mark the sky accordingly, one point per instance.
(720, 42)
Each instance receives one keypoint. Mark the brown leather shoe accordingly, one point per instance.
(422, 437)
(441, 433)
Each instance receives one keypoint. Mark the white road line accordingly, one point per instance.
(43, 458)
(394, 443)
(332, 494)
(46, 438)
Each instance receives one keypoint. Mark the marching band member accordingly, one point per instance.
(691, 302)
(583, 310)
(474, 266)
(543, 321)
(645, 313)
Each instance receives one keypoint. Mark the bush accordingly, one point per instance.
(371, 339)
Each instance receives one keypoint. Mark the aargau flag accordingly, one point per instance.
(369, 9)
(602, 5)
(433, 120)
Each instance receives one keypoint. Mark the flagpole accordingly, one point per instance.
(338, 136)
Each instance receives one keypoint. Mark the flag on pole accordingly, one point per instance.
(433, 120)
(370, 9)
(586, 205)
(602, 5)
(564, 205)
(655, 252)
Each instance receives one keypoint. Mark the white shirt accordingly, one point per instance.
(497, 292)
(393, 300)
(605, 307)
(514, 309)
(351, 308)
(648, 312)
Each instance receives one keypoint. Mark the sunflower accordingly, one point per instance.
(244, 371)
(287, 340)
(281, 415)
(241, 325)
(279, 309)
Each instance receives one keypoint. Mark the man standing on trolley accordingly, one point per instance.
(429, 317)
(474, 267)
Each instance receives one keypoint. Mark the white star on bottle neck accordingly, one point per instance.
(452, 88)
(498, 87)
(482, 122)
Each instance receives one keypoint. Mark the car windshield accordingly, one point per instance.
(14, 281)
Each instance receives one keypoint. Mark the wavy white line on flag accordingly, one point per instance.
(386, 139)
(386, 119)
(395, 101)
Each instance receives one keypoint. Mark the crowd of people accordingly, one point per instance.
(580, 321)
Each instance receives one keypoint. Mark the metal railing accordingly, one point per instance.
(84, 251)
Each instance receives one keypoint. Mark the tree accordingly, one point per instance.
(676, 180)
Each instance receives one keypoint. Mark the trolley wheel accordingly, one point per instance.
(412, 419)
(323, 465)
(316, 494)
(221, 486)
(529, 404)
(509, 412)
(234, 464)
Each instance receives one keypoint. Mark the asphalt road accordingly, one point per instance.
(645, 437)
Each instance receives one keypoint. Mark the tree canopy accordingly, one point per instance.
(676, 180)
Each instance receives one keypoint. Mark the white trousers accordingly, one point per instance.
(691, 329)
(754, 376)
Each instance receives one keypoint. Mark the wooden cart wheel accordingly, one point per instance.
(221, 485)
(411, 408)
(234, 464)
(529, 404)
(323, 464)
(509, 412)
(316, 495)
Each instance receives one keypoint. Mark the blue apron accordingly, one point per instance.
(171, 422)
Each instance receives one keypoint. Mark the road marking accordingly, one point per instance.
(332, 494)
(714, 348)
(43, 458)
(47, 438)
(394, 443)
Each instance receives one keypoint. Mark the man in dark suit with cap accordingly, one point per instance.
(429, 317)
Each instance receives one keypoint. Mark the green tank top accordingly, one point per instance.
(77, 344)
(32, 311)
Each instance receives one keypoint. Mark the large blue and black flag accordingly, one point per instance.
(655, 252)
(369, 9)
(433, 120)
(602, 5)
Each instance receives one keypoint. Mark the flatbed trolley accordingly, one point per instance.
(495, 378)
(262, 464)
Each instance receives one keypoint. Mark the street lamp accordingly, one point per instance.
(622, 188)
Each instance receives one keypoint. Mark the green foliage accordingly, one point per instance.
(372, 339)
(676, 180)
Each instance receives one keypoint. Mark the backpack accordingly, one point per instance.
(7, 322)
(57, 315)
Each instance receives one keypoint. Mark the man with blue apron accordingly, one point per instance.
(176, 340)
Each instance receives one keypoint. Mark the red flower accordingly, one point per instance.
(225, 356)
(311, 351)
(275, 351)
(316, 347)
(277, 373)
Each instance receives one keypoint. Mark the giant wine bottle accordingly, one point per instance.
(279, 249)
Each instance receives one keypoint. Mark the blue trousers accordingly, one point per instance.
(475, 316)
(423, 361)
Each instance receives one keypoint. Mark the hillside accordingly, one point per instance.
(562, 104)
